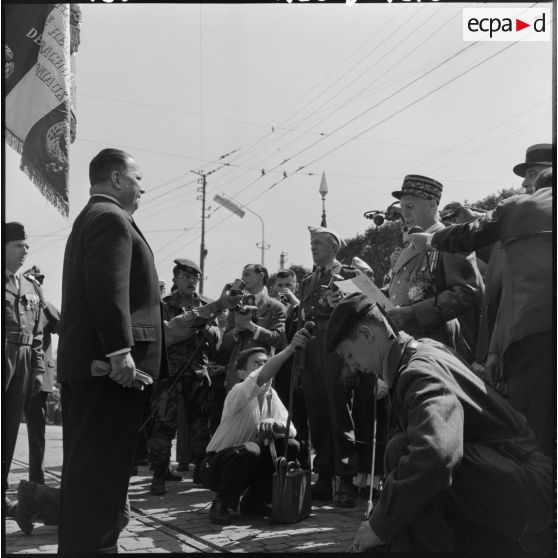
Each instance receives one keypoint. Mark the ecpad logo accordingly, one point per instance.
(507, 24)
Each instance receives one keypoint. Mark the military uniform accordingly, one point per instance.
(439, 287)
(193, 387)
(325, 396)
(23, 356)
(463, 470)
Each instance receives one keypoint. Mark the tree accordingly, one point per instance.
(490, 202)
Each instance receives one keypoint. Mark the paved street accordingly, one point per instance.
(179, 521)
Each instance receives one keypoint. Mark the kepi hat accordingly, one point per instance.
(420, 186)
(538, 154)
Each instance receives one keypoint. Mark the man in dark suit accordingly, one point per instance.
(111, 312)
(522, 342)
(264, 326)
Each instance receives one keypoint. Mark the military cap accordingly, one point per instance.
(245, 354)
(420, 186)
(344, 318)
(538, 154)
(14, 231)
(322, 230)
(187, 265)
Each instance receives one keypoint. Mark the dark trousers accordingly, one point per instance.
(496, 506)
(299, 417)
(230, 471)
(35, 409)
(15, 375)
(196, 396)
(100, 423)
(326, 400)
(530, 372)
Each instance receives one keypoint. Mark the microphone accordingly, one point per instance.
(298, 361)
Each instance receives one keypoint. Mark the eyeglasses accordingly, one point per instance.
(187, 275)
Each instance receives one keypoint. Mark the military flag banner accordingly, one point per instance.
(39, 88)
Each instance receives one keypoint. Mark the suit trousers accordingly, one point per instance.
(35, 415)
(530, 372)
(15, 375)
(100, 423)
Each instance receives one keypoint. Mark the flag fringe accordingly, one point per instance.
(13, 141)
(44, 187)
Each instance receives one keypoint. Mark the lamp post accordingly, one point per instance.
(323, 193)
(239, 209)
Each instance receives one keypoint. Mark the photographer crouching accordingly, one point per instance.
(239, 461)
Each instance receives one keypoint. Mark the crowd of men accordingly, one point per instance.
(454, 380)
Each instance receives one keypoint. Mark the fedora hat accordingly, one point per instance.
(538, 154)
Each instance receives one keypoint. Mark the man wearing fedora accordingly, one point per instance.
(521, 346)
(23, 365)
(431, 291)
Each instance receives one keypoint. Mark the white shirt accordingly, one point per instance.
(242, 414)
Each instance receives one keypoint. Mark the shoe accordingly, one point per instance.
(218, 513)
(322, 489)
(170, 476)
(196, 474)
(36, 501)
(250, 506)
(183, 467)
(9, 507)
(158, 487)
(347, 493)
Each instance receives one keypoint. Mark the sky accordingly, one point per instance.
(264, 98)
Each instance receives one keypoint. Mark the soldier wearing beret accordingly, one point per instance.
(35, 407)
(185, 340)
(23, 366)
(463, 469)
(325, 396)
(520, 351)
(431, 291)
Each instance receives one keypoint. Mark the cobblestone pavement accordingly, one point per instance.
(179, 521)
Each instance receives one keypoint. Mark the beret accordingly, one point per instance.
(344, 317)
(188, 264)
(420, 186)
(14, 231)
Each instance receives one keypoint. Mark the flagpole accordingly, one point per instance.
(323, 192)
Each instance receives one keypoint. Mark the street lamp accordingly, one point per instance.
(238, 209)
(323, 192)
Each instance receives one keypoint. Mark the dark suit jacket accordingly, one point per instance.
(524, 225)
(110, 294)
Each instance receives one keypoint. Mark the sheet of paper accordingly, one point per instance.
(363, 284)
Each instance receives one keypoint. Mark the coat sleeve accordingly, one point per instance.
(37, 353)
(467, 237)
(274, 335)
(107, 257)
(463, 287)
(428, 449)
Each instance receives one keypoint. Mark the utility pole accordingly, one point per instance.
(282, 260)
(203, 251)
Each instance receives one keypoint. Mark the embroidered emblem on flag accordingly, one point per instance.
(40, 45)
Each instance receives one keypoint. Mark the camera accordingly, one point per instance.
(236, 287)
(392, 213)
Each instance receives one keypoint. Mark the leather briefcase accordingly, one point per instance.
(291, 492)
